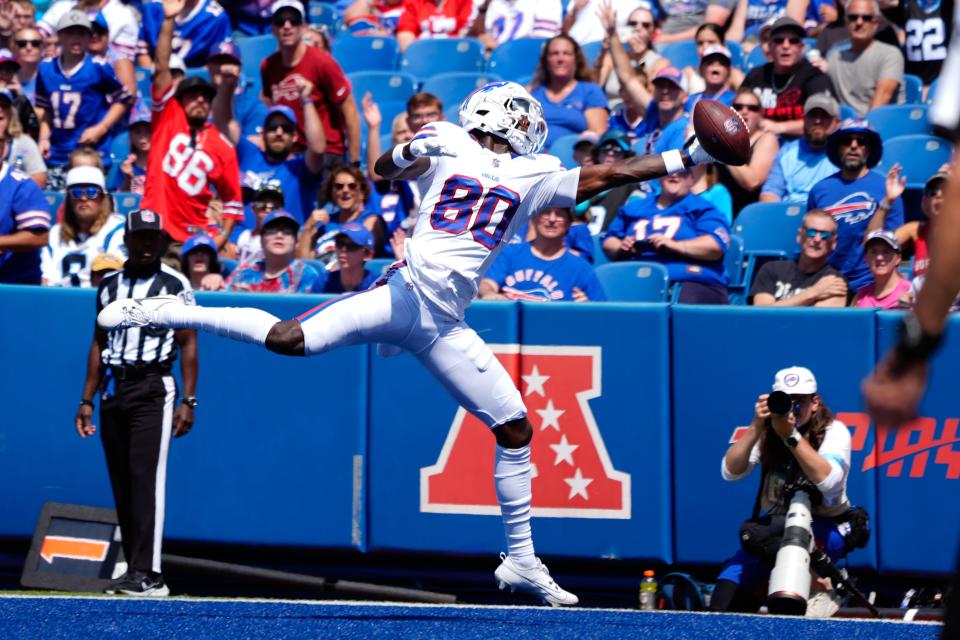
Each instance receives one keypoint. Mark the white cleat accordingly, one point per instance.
(123, 314)
(536, 582)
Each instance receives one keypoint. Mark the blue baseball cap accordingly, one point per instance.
(140, 113)
(283, 110)
(280, 217)
(5, 93)
(226, 49)
(358, 234)
(99, 22)
(672, 74)
(6, 57)
(198, 240)
(855, 126)
(615, 138)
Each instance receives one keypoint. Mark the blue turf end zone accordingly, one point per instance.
(76, 618)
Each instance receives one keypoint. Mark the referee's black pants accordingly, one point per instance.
(135, 428)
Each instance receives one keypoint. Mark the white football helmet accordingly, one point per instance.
(507, 110)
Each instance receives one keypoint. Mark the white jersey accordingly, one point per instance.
(472, 203)
(513, 19)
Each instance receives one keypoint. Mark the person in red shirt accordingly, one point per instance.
(188, 154)
(332, 94)
(433, 19)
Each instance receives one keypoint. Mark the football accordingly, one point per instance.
(721, 132)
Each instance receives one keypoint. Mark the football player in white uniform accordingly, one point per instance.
(480, 181)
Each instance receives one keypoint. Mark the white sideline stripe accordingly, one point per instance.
(425, 605)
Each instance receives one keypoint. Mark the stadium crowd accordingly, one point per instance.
(264, 118)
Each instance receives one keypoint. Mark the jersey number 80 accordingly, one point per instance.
(188, 165)
(454, 211)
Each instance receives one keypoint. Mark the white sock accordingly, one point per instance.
(238, 323)
(511, 477)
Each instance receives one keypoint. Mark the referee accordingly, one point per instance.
(131, 369)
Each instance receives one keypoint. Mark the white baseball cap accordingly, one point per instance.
(177, 64)
(796, 381)
(86, 175)
(292, 4)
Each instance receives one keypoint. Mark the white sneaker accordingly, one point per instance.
(123, 314)
(536, 581)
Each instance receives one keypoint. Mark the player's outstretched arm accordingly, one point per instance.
(597, 178)
(411, 160)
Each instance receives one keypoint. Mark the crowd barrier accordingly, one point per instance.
(632, 407)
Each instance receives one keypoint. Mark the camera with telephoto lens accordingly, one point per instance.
(780, 404)
(789, 587)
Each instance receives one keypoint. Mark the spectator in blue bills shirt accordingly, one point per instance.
(299, 174)
(853, 195)
(80, 99)
(354, 247)
(681, 231)
(24, 222)
(197, 30)
(544, 269)
(665, 124)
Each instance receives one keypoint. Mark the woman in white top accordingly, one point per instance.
(637, 37)
(89, 227)
(24, 155)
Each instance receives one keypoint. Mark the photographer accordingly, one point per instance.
(802, 448)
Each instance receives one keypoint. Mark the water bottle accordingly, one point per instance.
(18, 164)
(648, 591)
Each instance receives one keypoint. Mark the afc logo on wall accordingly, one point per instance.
(573, 476)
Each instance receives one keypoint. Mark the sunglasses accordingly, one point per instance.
(740, 106)
(286, 127)
(23, 43)
(294, 19)
(340, 186)
(347, 246)
(818, 233)
(860, 140)
(85, 193)
(638, 23)
(781, 39)
(263, 206)
(853, 17)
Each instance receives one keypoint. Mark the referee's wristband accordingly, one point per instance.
(88, 403)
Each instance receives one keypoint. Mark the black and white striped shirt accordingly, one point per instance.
(141, 345)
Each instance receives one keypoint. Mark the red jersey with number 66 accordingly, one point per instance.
(184, 173)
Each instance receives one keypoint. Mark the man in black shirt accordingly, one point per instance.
(808, 281)
(785, 84)
(131, 371)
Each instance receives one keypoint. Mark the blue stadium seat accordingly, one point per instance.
(379, 265)
(365, 53)
(634, 281)
(599, 257)
(323, 13)
(452, 112)
(895, 120)
(733, 261)
(388, 110)
(198, 72)
(591, 50)
(846, 111)
(426, 58)
(253, 51)
(769, 226)
(453, 88)
(563, 148)
(126, 202)
(384, 86)
(919, 155)
(682, 54)
(54, 200)
(736, 52)
(932, 91)
(913, 89)
(515, 59)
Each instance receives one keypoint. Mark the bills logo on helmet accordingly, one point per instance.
(573, 476)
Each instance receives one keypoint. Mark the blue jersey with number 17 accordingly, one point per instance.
(472, 202)
(194, 35)
(77, 100)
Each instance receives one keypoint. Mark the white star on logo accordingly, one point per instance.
(578, 485)
(535, 382)
(564, 451)
(550, 416)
